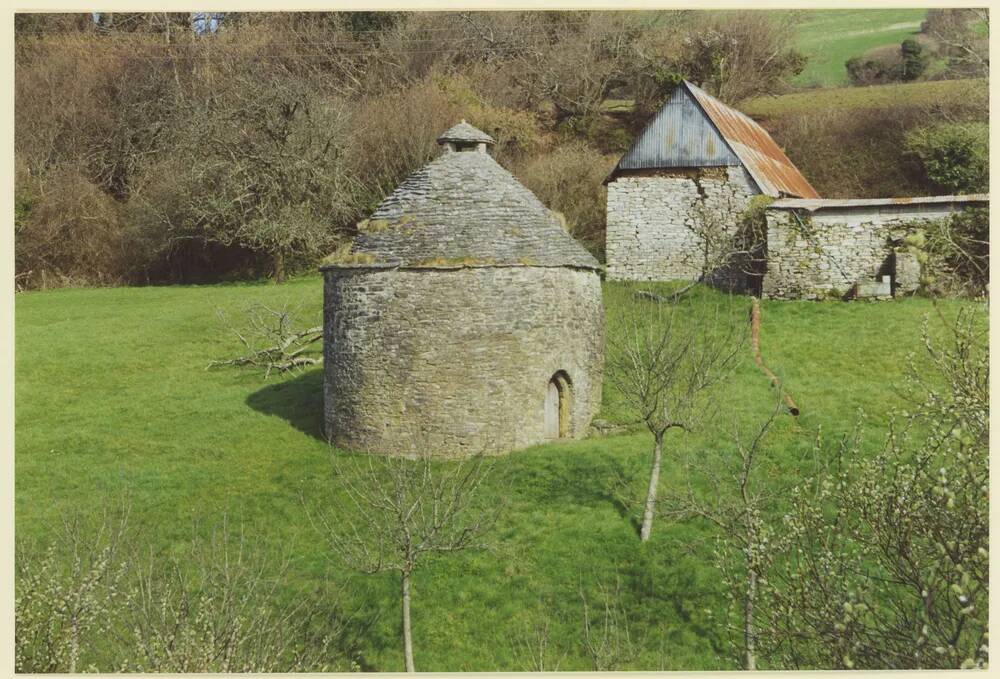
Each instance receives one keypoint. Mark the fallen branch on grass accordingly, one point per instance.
(285, 348)
(673, 297)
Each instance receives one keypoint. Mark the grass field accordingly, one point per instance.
(916, 94)
(831, 37)
(112, 394)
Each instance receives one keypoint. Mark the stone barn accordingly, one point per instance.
(696, 153)
(698, 156)
(463, 318)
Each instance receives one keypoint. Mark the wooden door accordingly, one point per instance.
(552, 411)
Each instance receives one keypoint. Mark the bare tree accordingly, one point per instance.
(743, 493)
(730, 246)
(394, 512)
(740, 55)
(258, 164)
(956, 31)
(664, 362)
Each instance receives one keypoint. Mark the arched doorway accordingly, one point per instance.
(557, 402)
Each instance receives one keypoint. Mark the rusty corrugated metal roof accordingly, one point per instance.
(813, 205)
(763, 159)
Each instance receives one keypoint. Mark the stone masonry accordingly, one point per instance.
(651, 214)
(821, 248)
(458, 360)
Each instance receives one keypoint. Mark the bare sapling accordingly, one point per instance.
(394, 512)
(533, 646)
(607, 631)
(738, 492)
(665, 361)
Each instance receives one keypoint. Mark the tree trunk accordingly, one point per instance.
(279, 267)
(407, 634)
(654, 480)
(749, 633)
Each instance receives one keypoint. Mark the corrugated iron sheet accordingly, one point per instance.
(679, 135)
(763, 159)
(813, 205)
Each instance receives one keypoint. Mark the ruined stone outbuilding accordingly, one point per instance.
(695, 153)
(836, 248)
(463, 319)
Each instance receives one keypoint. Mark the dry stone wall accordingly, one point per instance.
(651, 214)
(457, 361)
(824, 253)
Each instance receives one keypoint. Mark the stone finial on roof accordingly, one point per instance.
(465, 134)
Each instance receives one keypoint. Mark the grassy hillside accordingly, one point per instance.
(933, 93)
(850, 141)
(831, 37)
(112, 394)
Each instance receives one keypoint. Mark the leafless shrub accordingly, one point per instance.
(67, 594)
(220, 616)
(394, 135)
(92, 599)
(885, 557)
(569, 180)
(68, 231)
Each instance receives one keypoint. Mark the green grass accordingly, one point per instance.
(831, 37)
(928, 94)
(111, 393)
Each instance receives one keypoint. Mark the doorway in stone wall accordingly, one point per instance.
(557, 403)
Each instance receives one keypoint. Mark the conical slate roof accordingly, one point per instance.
(464, 209)
(465, 133)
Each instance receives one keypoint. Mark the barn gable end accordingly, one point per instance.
(680, 135)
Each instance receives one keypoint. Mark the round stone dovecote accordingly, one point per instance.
(463, 319)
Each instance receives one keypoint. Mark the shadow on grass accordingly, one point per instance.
(298, 400)
(589, 472)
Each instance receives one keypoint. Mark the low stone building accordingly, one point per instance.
(696, 154)
(464, 317)
(826, 248)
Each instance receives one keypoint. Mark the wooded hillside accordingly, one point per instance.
(147, 153)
